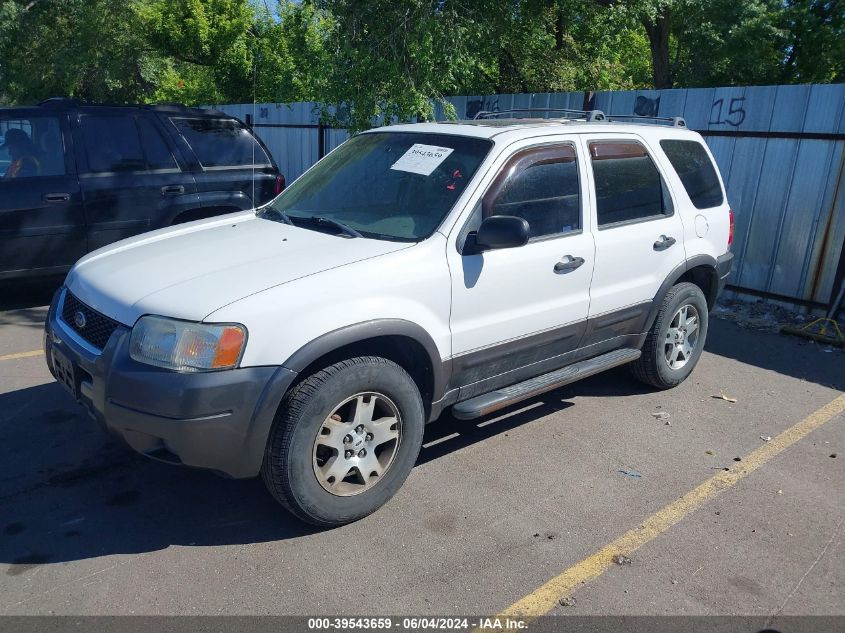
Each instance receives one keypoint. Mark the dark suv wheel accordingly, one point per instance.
(344, 441)
(676, 340)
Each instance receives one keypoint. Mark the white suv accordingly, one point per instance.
(464, 265)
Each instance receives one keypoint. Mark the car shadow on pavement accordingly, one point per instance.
(68, 491)
(787, 355)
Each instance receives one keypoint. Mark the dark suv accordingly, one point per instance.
(76, 177)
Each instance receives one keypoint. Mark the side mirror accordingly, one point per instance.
(498, 231)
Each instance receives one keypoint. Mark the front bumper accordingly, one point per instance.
(216, 420)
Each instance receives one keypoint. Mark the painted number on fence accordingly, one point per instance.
(732, 112)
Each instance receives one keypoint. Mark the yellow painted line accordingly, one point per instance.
(35, 352)
(545, 598)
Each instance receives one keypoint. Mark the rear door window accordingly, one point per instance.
(628, 185)
(696, 171)
(112, 144)
(31, 147)
(221, 142)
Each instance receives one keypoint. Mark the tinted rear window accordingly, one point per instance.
(221, 142)
(112, 144)
(694, 167)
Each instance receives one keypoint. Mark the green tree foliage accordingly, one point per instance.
(815, 35)
(396, 58)
(91, 49)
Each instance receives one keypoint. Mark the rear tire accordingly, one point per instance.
(344, 441)
(676, 340)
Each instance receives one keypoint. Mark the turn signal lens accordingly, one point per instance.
(229, 348)
(185, 345)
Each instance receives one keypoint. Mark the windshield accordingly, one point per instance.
(387, 185)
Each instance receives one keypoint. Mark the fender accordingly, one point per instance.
(357, 332)
(693, 262)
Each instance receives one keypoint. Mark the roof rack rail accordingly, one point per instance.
(59, 102)
(674, 121)
(589, 115)
(181, 108)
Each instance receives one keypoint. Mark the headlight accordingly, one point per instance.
(186, 346)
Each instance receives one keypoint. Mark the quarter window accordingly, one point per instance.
(221, 142)
(628, 185)
(541, 186)
(696, 171)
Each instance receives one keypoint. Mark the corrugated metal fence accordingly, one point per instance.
(781, 151)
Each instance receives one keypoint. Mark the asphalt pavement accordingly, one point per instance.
(496, 511)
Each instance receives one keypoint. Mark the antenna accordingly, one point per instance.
(252, 131)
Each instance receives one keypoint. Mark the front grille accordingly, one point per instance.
(92, 326)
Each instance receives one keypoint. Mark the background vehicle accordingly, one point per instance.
(76, 177)
(417, 267)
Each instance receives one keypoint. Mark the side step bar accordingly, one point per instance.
(495, 400)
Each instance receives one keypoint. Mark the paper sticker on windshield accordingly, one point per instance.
(422, 159)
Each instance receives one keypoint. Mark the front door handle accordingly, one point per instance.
(172, 190)
(56, 197)
(663, 243)
(568, 264)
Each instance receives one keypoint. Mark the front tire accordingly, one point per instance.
(344, 441)
(676, 340)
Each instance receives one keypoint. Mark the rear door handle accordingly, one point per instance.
(172, 190)
(568, 264)
(663, 243)
(56, 197)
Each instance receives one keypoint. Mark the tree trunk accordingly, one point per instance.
(658, 38)
(559, 30)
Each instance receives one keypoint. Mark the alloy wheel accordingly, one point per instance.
(681, 337)
(357, 443)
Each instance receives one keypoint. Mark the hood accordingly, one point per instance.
(189, 271)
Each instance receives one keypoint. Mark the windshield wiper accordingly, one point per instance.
(271, 213)
(340, 226)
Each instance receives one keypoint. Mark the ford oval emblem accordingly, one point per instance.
(79, 319)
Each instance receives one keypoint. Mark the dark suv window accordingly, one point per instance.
(115, 143)
(30, 147)
(694, 167)
(541, 186)
(155, 149)
(628, 185)
(221, 142)
(112, 144)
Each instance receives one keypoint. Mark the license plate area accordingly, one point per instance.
(65, 373)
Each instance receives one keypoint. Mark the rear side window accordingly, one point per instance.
(541, 186)
(221, 142)
(112, 144)
(696, 171)
(628, 184)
